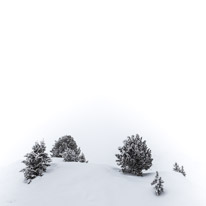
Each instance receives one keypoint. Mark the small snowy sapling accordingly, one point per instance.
(176, 167)
(156, 178)
(159, 187)
(158, 182)
(179, 169)
(182, 171)
(82, 158)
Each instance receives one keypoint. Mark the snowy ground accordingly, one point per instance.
(80, 184)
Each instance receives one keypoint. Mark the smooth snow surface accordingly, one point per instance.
(78, 184)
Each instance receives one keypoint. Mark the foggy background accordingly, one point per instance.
(101, 71)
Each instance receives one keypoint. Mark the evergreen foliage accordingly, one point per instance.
(71, 155)
(158, 182)
(64, 143)
(134, 156)
(182, 171)
(36, 162)
(179, 169)
(156, 178)
(176, 167)
(159, 187)
(82, 158)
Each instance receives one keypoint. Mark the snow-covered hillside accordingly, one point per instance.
(79, 184)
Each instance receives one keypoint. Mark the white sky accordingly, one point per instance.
(100, 71)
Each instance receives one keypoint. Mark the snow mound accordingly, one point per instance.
(78, 184)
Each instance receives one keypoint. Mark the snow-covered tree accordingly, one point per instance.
(64, 143)
(182, 171)
(36, 162)
(159, 187)
(179, 169)
(70, 155)
(134, 156)
(82, 158)
(176, 167)
(156, 178)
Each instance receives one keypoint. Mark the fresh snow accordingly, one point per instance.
(79, 184)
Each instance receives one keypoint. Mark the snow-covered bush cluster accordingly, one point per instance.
(62, 144)
(66, 147)
(134, 156)
(179, 169)
(36, 162)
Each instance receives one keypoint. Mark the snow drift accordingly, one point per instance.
(78, 184)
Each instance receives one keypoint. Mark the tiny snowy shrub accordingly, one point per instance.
(82, 158)
(64, 143)
(176, 167)
(71, 155)
(159, 187)
(36, 162)
(158, 182)
(182, 171)
(134, 156)
(179, 169)
(156, 179)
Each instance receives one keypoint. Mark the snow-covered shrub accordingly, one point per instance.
(134, 156)
(179, 169)
(36, 162)
(64, 143)
(176, 167)
(158, 182)
(159, 189)
(70, 155)
(82, 158)
(182, 171)
(156, 178)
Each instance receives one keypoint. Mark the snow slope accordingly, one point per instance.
(80, 184)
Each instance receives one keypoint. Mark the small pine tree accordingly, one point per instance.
(71, 155)
(36, 162)
(82, 158)
(156, 178)
(182, 171)
(159, 187)
(179, 169)
(176, 167)
(134, 156)
(64, 143)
